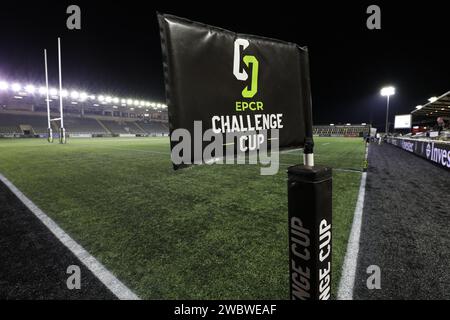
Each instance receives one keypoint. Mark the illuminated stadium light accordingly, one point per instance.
(131, 108)
(18, 97)
(331, 124)
(96, 105)
(74, 102)
(30, 89)
(43, 91)
(364, 124)
(83, 96)
(348, 124)
(74, 95)
(387, 91)
(419, 107)
(433, 99)
(115, 107)
(16, 87)
(4, 85)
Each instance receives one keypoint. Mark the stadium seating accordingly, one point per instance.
(13, 122)
(8, 124)
(154, 127)
(83, 126)
(341, 131)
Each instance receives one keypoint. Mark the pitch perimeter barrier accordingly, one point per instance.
(437, 152)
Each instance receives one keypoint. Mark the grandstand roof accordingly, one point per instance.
(436, 107)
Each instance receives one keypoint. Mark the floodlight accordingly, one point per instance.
(16, 87)
(136, 102)
(123, 101)
(129, 101)
(43, 91)
(331, 124)
(65, 93)
(3, 85)
(387, 91)
(74, 95)
(433, 99)
(108, 99)
(419, 107)
(115, 100)
(30, 89)
(83, 96)
(101, 98)
(53, 92)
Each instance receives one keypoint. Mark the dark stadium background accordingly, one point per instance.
(118, 47)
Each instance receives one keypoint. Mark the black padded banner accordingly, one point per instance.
(235, 82)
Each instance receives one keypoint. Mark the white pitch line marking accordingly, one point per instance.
(103, 274)
(347, 281)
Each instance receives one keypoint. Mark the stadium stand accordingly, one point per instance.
(116, 127)
(341, 130)
(154, 127)
(20, 123)
(8, 125)
(83, 126)
(26, 124)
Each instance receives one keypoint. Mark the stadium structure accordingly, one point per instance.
(23, 113)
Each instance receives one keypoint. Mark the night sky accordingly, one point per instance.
(117, 51)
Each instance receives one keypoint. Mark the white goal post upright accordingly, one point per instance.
(49, 125)
(62, 134)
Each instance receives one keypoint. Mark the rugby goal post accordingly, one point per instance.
(62, 130)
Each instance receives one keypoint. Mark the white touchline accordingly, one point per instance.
(347, 281)
(103, 274)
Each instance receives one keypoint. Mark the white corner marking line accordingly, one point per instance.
(347, 281)
(103, 274)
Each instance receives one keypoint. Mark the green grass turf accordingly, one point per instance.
(206, 232)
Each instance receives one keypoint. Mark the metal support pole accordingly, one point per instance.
(49, 125)
(62, 134)
(387, 115)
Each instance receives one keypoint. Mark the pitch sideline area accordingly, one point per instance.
(212, 232)
(404, 227)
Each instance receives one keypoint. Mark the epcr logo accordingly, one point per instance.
(239, 46)
(428, 151)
